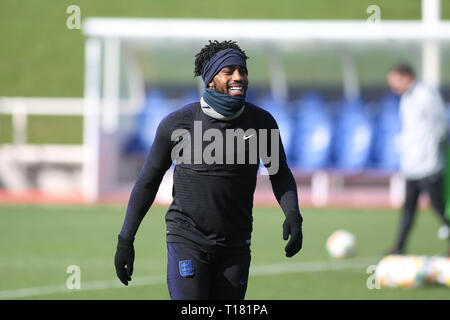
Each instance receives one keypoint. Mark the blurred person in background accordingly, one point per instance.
(423, 143)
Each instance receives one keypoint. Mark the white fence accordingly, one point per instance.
(20, 108)
(57, 168)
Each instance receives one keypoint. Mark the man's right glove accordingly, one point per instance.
(293, 226)
(124, 259)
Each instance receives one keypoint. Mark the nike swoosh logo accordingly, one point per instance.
(247, 137)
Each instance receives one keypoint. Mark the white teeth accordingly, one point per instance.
(236, 88)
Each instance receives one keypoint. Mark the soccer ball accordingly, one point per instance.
(341, 244)
(443, 232)
(402, 271)
(438, 271)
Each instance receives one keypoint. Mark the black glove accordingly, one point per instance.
(124, 259)
(293, 226)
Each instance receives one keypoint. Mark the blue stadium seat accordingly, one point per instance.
(284, 120)
(386, 148)
(189, 96)
(353, 136)
(448, 123)
(313, 132)
(251, 95)
(156, 108)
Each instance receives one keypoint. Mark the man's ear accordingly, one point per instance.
(212, 85)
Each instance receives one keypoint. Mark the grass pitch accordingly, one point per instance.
(38, 243)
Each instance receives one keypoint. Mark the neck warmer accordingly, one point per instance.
(224, 104)
(214, 114)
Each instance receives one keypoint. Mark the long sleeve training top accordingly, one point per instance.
(214, 177)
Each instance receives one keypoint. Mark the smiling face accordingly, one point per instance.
(231, 80)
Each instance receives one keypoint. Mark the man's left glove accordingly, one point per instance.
(293, 226)
(124, 259)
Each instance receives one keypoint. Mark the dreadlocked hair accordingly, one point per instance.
(211, 49)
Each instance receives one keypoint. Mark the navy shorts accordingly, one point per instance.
(196, 275)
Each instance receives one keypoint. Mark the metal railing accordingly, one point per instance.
(20, 108)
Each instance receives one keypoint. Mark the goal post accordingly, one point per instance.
(127, 57)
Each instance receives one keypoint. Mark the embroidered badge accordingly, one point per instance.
(186, 268)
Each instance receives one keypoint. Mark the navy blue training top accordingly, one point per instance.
(212, 202)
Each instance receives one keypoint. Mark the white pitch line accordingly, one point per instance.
(85, 286)
(312, 266)
(263, 270)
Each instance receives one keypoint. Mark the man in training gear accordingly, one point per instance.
(423, 143)
(217, 144)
